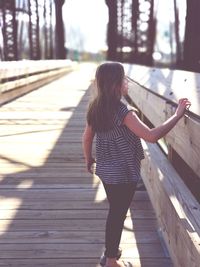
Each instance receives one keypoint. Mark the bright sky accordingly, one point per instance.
(165, 18)
(85, 24)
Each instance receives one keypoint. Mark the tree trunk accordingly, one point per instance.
(192, 37)
(60, 37)
(112, 37)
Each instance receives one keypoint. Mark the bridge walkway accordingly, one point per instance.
(52, 212)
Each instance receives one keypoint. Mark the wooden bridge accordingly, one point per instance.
(52, 212)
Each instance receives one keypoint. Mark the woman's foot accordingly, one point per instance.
(103, 257)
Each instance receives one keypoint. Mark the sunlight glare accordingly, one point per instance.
(181, 83)
(9, 208)
(180, 211)
(26, 184)
(100, 194)
(83, 20)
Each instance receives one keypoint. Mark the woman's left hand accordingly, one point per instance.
(90, 162)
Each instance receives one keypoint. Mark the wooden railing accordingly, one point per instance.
(155, 92)
(20, 77)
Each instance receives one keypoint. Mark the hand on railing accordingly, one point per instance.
(183, 105)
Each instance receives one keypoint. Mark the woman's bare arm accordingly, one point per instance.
(153, 135)
(87, 141)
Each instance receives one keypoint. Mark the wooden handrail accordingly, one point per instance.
(20, 77)
(13, 69)
(155, 92)
(157, 104)
(168, 84)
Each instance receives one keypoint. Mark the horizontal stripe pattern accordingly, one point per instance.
(118, 152)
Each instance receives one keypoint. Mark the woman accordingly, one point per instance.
(119, 151)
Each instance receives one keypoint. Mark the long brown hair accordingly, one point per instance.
(109, 79)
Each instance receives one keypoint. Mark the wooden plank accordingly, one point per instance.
(169, 84)
(83, 262)
(52, 251)
(184, 138)
(177, 210)
(20, 78)
(63, 205)
(26, 184)
(13, 85)
(9, 91)
(76, 237)
(25, 68)
(74, 225)
(155, 95)
(70, 214)
(66, 194)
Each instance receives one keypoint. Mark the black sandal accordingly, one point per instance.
(102, 261)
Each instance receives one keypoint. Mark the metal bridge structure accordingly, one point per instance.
(31, 30)
(131, 31)
(34, 29)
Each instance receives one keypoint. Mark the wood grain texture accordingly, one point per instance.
(178, 212)
(19, 78)
(158, 105)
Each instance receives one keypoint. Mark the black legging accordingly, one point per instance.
(119, 197)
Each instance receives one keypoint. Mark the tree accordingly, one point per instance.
(191, 59)
(60, 37)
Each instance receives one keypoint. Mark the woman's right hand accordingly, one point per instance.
(183, 105)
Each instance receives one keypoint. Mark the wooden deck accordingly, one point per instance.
(52, 212)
